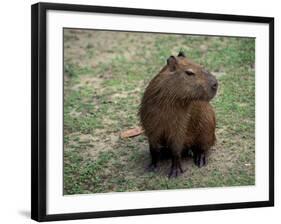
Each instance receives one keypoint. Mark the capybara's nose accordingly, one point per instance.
(215, 85)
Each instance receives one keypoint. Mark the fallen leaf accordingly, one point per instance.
(131, 132)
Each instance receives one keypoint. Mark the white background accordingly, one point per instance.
(15, 110)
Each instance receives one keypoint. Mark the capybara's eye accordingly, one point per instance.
(189, 72)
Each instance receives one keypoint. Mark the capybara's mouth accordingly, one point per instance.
(215, 86)
(213, 93)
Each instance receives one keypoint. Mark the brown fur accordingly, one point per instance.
(175, 111)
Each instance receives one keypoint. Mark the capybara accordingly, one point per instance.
(175, 112)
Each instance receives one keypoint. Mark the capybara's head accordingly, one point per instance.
(182, 79)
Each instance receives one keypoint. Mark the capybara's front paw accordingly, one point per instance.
(175, 172)
(200, 159)
(152, 167)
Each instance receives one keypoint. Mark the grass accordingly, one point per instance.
(104, 79)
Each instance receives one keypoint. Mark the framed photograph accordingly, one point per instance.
(140, 111)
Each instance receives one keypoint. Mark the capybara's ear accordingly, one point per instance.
(172, 62)
(181, 54)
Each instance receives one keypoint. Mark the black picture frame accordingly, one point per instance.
(39, 108)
